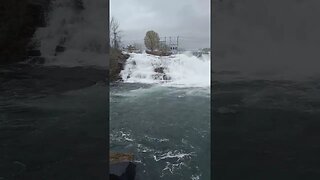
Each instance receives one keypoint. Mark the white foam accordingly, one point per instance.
(81, 30)
(195, 177)
(183, 70)
(173, 155)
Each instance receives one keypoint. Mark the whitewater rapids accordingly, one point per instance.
(179, 70)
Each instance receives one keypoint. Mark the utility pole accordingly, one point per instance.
(177, 43)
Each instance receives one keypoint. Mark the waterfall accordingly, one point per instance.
(76, 34)
(184, 70)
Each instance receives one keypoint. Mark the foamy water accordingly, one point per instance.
(167, 128)
(180, 70)
(79, 30)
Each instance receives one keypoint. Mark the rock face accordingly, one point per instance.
(121, 166)
(117, 63)
(18, 22)
(122, 171)
(120, 157)
(159, 53)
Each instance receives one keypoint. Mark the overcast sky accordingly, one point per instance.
(188, 19)
(269, 38)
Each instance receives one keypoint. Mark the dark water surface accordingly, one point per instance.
(166, 128)
(52, 122)
(266, 129)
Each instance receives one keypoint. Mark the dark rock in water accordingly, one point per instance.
(34, 53)
(121, 65)
(157, 76)
(122, 171)
(37, 60)
(159, 70)
(165, 77)
(121, 166)
(161, 75)
(79, 4)
(60, 48)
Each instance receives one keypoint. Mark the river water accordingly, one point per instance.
(164, 123)
(265, 127)
(52, 122)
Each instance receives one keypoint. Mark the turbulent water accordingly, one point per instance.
(78, 27)
(53, 117)
(265, 128)
(46, 122)
(184, 70)
(163, 117)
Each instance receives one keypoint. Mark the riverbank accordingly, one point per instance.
(117, 63)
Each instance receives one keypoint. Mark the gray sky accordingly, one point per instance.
(271, 37)
(189, 19)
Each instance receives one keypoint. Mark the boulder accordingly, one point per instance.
(121, 166)
(159, 69)
(60, 48)
(33, 53)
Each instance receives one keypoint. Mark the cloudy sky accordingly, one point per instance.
(270, 38)
(188, 19)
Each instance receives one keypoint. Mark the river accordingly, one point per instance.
(163, 118)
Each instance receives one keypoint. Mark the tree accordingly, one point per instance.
(114, 33)
(151, 40)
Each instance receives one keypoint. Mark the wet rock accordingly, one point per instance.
(165, 77)
(34, 53)
(37, 60)
(60, 48)
(161, 77)
(121, 166)
(159, 70)
(122, 171)
(117, 63)
(78, 4)
(120, 157)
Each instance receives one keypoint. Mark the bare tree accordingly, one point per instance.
(114, 33)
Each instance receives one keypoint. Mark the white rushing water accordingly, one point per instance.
(79, 26)
(180, 70)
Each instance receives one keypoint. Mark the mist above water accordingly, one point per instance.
(78, 26)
